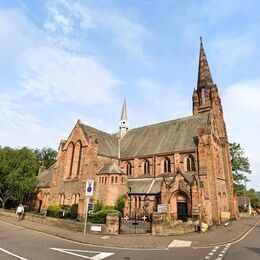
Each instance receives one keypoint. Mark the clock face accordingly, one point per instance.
(89, 189)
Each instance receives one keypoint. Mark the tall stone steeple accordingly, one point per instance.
(206, 97)
(202, 96)
(123, 126)
(204, 75)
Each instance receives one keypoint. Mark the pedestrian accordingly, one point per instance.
(20, 212)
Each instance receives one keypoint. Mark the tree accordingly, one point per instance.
(18, 169)
(240, 165)
(45, 156)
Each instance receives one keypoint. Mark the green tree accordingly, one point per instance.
(18, 168)
(46, 156)
(240, 166)
(255, 201)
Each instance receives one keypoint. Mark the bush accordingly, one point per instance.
(120, 204)
(97, 207)
(100, 216)
(73, 212)
(54, 211)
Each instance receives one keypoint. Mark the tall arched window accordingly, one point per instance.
(70, 156)
(167, 165)
(77, 198)
(146, 167)
(129, 169)
(73, 198)
(62, 199)
(190, 164)
(77, 159)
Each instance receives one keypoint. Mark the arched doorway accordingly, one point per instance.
(180, 205)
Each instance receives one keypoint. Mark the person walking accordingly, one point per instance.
(20, 211)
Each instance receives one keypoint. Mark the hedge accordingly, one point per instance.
(54, 211)
(100, 216)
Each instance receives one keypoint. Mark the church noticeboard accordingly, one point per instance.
(225, 215)
(162, 208)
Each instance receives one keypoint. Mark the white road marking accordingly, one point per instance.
(98, 256)
(105, 237)
(228, 244)
(9, 253)
(179, 243)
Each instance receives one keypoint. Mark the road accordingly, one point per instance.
(19, 243)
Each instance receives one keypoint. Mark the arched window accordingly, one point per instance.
(190, 164)
(77, 198)
(77, 159)
(73, 198)
(135, 201)
(129, 169)
(146, 167)
(140, 201)
(167, 165)
(62, 199)
(70, 156)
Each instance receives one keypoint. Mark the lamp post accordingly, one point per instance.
(245, 205)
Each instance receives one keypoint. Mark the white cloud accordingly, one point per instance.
(159, 102)
(55, 74)
(241, 110)
(232, 51)
(19, 124)
(126, 32)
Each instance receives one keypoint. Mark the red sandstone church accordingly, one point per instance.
(182, 164)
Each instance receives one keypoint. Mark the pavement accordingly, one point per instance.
(216, 235)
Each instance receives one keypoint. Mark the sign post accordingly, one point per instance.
(88, 194)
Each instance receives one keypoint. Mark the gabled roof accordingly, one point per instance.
(166, 137)
(110, 169)
(44, 178)
(107, 143)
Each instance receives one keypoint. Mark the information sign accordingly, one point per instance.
(89, 187)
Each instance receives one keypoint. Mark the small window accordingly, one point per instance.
(129, 169)
(167, 165)
(146, 167)
(116, 179)
(112, 179)
(190, 164)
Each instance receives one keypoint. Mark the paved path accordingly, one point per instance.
(216, 236)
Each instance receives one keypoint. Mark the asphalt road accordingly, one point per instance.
(20, 243)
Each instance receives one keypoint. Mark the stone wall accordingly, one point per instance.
(164, 226)
(112, 226)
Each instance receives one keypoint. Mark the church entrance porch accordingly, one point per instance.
(180, 206)
(182, 211)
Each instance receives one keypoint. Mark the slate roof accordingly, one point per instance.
(165, 137)
(44, 178)
(174, 135)
(148, 186)
(107, 143)
(110, 169)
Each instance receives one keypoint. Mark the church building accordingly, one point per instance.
(181, 165)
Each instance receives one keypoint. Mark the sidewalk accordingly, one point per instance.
(216, 235)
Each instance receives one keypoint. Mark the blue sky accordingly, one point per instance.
(64, 60)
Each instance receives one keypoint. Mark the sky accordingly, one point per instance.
(64, 60)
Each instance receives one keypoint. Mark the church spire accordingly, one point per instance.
(124, 112)
(123, 126)
(204, 75)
